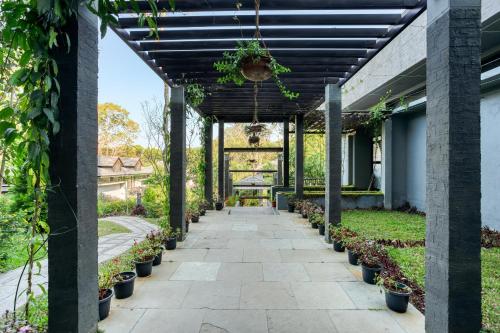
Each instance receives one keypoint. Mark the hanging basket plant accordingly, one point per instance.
(254, 140)
(256, 69)
(255, 128)
(251, 61)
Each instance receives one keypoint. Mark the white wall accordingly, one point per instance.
(490, 159)
(112, 190)
(416, 160)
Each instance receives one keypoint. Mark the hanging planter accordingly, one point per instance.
(254, 140)
(252, 61)
(256, 69)
(255, 128)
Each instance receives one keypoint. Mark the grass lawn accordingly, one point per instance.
(152, 220)
(18, 253)
(106, 228)
(380, 224)
(412, 263)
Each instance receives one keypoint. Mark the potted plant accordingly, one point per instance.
(338, 234)
(291, 203)
(123, 278)
(305, 209)
(155, 238)
(298, 205)
(313, 219)
(195, 217)
(219, 205)
(397, 294)
(353, 246)
(370, 262)
(170, 238)
(320, 221)
(143, 255)
(105, 281)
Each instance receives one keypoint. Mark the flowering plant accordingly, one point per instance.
(142, 252)
(371, 253)
(155, 238)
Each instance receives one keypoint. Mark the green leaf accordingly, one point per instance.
(19, 77)
(172, 5)
(56, 128)
(50, 114)
(34, 113)
(6, 112)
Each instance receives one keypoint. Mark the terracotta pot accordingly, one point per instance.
(256, 71)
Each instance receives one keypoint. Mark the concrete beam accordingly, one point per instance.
(453, 242)
(286, 153)
(220, 173)
(333, 163)
(299, 155)
(209, 175)
(177, 195)
(72, 204)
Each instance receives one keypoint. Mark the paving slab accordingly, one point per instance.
(228, 277)
(300, 321)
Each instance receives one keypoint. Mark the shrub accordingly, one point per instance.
(139, 210)
(113, 207)
(154, 202)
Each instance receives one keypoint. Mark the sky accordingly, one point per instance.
(124, 79)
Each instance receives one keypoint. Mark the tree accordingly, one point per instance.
(116, 129)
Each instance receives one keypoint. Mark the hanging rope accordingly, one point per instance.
(256, 103)
(258, 35)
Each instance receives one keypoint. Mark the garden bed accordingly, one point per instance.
(403, 235)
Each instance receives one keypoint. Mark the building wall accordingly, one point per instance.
(409, 159)
(490, 160)
(415, 160)
(112, 190)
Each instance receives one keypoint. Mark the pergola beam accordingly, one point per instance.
(229, 5)
(254, 150)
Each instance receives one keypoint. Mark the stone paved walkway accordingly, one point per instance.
(109, 247)
(245, 273)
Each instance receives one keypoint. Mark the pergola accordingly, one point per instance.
(324, 42)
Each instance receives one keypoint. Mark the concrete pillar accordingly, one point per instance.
(333, 164)
(386, 185)
(209, 181)
(362, 160)
(227, 191)
(72, 204)
(453, 242)
(299, 155)
(280, 170)
(177, 195)
(286, 153)
(220, 174)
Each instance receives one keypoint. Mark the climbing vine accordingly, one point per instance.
(31, 33)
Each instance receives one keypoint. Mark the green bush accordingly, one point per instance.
(154, 202)
(114, 207)
(231, 201)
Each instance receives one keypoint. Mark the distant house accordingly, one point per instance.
(121, 177)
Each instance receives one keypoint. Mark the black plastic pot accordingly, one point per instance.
(195, 219)
(187, 226)
(314, 225)
(171, 244)
(397, 301)
(322, 229)
(203, 212)
(219, 205)
(304, 215)
(370, 273)
(124, 287)
(353, 258)
(338, 246)
(157, 259)
(291, 208)
(105, 305)
(144, 269)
